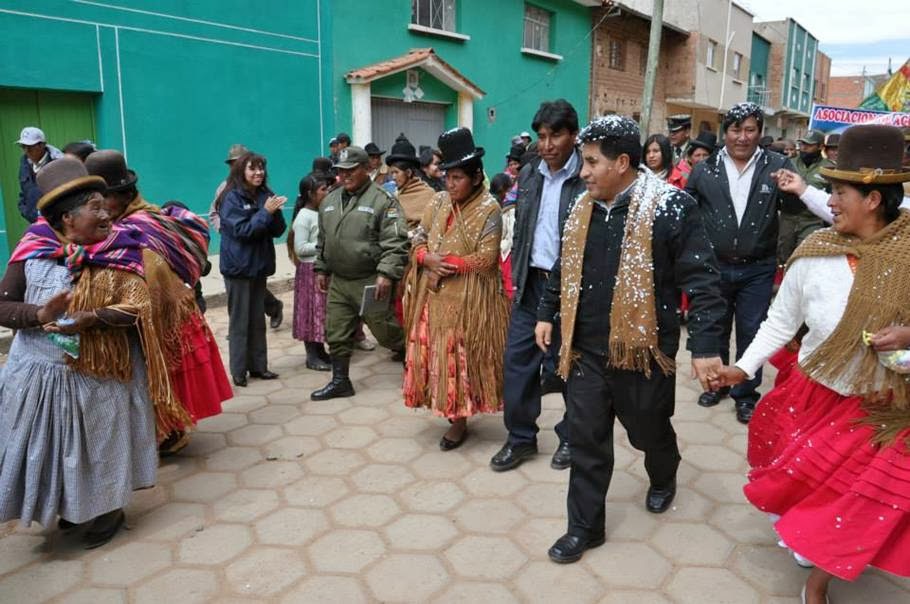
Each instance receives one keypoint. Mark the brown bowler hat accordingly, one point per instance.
(62, 177)
(235, 152)
(111, 166)
(869, 153)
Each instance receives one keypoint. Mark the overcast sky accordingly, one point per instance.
(855, 34)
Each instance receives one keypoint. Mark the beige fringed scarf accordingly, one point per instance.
(633, 316)
(880, 297)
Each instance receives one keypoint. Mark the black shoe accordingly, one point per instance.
(314, 359)
(710, 399)
(104, 528)
(264, 375)
(570, 548)
(240, 381)
(447, 445)
(550, 383)
(658, 500)
(65, 525)
(562, 457)
(276, 319)
(340, 386)
(512, 456)
(398, 356)
(744, 412)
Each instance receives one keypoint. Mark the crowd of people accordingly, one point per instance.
(569, 271)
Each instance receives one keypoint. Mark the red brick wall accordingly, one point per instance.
(845, 91)
(822, 78)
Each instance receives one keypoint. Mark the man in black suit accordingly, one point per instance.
(546, 189)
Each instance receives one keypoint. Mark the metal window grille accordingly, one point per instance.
(436, 14)
(617, 55)
(537, 29)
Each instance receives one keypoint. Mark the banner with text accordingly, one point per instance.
(831, 120)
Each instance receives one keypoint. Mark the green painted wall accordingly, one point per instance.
(176, 82)
(433, 90)
(515, 83)
(758, 62)
(798, 90)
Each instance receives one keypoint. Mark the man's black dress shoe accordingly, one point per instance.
(512, 456)
(658, 500)
(562, 457)
(264, 375)
(570, 548)
(276, 319)
(710, 399)
(744, 412)
(240, 381)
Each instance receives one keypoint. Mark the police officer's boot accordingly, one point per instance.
(340, 386)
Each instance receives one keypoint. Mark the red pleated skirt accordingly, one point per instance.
(200, 383)
(843, 502)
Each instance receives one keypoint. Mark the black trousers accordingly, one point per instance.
(246, 325)
(595, 396)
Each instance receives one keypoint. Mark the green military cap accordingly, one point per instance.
(813, 137)
(351, 157)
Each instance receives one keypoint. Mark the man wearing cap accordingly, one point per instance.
(36, 153)
(525, 137)
(274, 308)
(796, 221)
(679, 127)
(333, 149)
(379, 172)
(362, 241)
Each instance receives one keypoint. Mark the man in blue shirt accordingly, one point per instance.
(546, 189)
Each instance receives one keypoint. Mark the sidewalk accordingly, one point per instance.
(281, 499)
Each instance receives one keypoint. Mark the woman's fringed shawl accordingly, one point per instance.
(633, 315)
(879, 298)
(470, 306)
(105, 353)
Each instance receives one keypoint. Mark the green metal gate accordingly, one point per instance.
(64, 116)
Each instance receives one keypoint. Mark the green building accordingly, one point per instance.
(173, 84)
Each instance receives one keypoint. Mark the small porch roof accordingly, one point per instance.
(425, 58)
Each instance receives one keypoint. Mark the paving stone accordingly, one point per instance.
(692, 585)
(544, 500)
(402, 427)
(481, 557)
(699, 433)
(254, 435)
(331, 407)
(204, 487)
(715, 457)
(538, 470)
(634, 597)
(470, 593)
(871, 587)
(770, 568)
(291, 448)
(288, 396)
(311, 425)
(245, 505)
(366, 416)
(224, 422)
(432, 496)
(548, 582)
(202, 444)
(291, 526)
(420, 531)
(320, 590)
(628, 565)
(365, 510)
(129, 563)
(394, 450)
(169, 522)
(346, 551)
(434, 465)
(183, 585)
(274, 414)
(214, 545)
(265, 571)
(488, 516)
(406, 578)
(40, 582)
(233, 458)
(316, 491)
(538, 534)
(18, 550)
(382, 478)
(627, 486)
(689, 505)
(335, 462)
(629, 522)
(683, 543)
(94, 595)
(243, 403)
(349, 437)
(722, 487)
(271, 474)
(744, 523)
(483, 482)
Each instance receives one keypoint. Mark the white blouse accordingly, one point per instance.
(306, 230)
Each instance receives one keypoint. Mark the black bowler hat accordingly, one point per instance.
(373, 149)
(516, 152)
(111, 166)
(457, 148)
(706, 140)
(403, 152)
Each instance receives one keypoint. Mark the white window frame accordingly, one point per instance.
(536, 30)
(737, 64)
(435, 17)
(711, 54)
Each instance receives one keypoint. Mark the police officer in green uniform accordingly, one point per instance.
(679, 126)
(362, 241)
(796, 221)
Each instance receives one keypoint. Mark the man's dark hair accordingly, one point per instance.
(343, 137)
(617, 135)
(892, 197)
(556, 115)
(80, 149)
(741, 112)
(321, 164)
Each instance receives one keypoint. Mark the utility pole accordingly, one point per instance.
(657, 20)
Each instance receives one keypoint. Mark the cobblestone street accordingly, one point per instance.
(287, 500)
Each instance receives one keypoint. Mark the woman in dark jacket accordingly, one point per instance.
(250, 218)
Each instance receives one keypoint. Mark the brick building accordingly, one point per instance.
(849, 91)
(822, 78)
